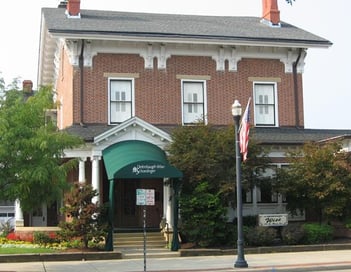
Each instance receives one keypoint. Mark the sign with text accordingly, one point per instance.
(272, 220)
(147, 169)
(145, 197)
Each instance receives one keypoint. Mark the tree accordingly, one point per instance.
(207, 153)
(206, 156)
(31, 150)
(85, 219)
(318, 179)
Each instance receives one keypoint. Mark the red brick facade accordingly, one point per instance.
(158, 91)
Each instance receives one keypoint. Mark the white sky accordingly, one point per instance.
(327, 96)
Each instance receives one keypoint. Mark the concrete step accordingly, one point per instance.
(136, 240)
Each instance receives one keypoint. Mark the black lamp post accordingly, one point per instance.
(240, 261)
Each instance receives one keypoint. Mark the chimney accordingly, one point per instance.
(27, 86)
(73, 8)
(62, 4)
(270, 12)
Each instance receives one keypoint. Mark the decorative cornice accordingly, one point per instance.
(227, 54)
(161, 52)
(155, 51)
(74, 49)
(289, 59)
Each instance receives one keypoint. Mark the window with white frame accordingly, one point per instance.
(265, 104)
(194, 101)
(121, 99)
(265, 190)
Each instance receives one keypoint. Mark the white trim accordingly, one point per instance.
(163, 49)
(137, 125)
(204, 95)
(132, 95)
(276, 115)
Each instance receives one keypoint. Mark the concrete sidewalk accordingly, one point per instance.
(334, 260)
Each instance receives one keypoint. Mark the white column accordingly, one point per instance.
(19, 221)
(169, 204)
(167, 208)
(165, 197)
(81, 175)
(95, 177)
(280, 203)
(254, 200)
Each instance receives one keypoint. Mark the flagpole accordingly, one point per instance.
(240, 262)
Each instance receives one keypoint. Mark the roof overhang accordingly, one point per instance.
(189, 39)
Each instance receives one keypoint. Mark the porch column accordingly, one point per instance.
(167, 203)
(95, 177)
(19, 221)
(280, 203)
(175, 239)
(81, 176)
(109, 239)
(254, 200)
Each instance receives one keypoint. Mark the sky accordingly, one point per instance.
(327, 95)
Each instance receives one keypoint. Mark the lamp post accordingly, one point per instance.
(240, 261)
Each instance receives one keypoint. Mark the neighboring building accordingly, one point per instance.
(124, 80)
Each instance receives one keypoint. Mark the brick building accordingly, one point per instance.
(123, 80)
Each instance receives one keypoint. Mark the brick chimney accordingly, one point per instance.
(27, 86)
(270, 12)
(73, 8)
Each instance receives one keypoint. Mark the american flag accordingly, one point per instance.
(244, 131)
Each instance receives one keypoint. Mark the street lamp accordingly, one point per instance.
(240, 261)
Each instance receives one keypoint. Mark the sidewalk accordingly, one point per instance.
(334, 260)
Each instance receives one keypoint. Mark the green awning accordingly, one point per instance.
(137, 159)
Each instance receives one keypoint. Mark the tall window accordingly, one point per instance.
(265, 104)
(121, 100)
(193, 96)
(266, 192)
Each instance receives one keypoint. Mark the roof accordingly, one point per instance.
(238, 30)
(279, 135)
(292, 135)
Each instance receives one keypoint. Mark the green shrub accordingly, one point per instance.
(42, 238)
(248, 220)
(292, 234)
(260, 236)
(203, 217)
(348, 223)
(317, 233)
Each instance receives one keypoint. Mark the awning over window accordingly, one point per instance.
(137, 159)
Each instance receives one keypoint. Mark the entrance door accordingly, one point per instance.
(129, 215)
(39, 216)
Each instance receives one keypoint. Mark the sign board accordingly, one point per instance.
(273, 220)
(145, 197)
(147, 169)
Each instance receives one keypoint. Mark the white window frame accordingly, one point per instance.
(204, 102)
(132, 113)
(275, 105)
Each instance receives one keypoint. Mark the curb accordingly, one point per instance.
(65, 256)
(260, 250)
(115, 255)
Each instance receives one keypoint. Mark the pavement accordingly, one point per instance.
(329, 260)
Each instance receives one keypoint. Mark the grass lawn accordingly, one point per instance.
(19, 250)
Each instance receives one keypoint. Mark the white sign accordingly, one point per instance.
(145, 197)
(147, 169)
(272, 220)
